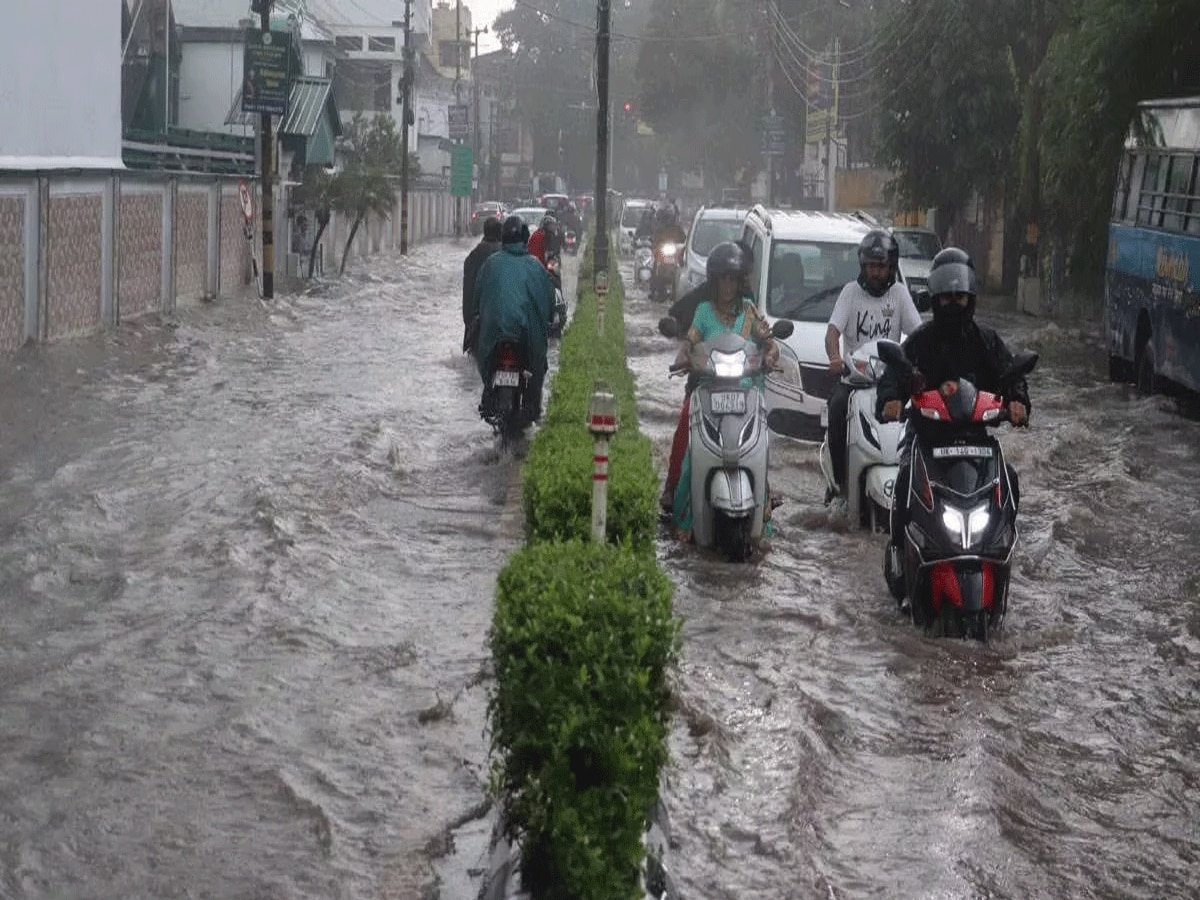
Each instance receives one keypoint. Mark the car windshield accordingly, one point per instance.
(631, 215)
(918, 244)
(805, 278)
(532, 217)
(710, 232)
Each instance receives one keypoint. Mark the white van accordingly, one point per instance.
(802, 260)
(631, 217)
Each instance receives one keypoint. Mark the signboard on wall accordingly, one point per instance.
(265, 81)
(458, 117)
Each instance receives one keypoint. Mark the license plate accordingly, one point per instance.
(504, 378)
(825, 416)
(725, 402)
(960, 451)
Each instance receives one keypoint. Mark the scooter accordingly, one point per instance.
(666, 264)
(728, 440)
(504, 401)
(872, 447)
(643, 263)
(956, 561)
(571, 242)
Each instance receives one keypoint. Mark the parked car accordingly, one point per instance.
(802, 260)
(482, 211)
(918, 247)
(710, 226)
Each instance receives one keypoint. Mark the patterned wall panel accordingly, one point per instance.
(12, 273)
(73, 296)
(235, 257)
(191, 243)
(139, 285)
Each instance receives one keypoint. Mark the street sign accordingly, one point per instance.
(247, 201)
(773, 135)
(265, 82)
(462, 165)
(458, 117)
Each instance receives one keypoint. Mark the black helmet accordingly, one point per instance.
(549, 223)
(952, 272)
(491, 229)
(877, 246)
(513, 231)
(727, 258)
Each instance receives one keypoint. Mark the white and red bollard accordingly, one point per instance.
(602, 423)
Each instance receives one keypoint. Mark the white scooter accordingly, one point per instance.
(872, 447)
(643, 263)
(728, 440)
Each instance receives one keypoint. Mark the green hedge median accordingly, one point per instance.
(583, 637)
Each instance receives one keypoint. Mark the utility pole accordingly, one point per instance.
(406, 85)
(831, 134)
(773, 26)
(603, 11)
(458, 99)
(268, 180)
(476, 32)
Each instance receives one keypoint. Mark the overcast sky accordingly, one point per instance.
(484, 12)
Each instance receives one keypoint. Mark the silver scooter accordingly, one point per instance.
(643, 263)
(872, 447)
(728, 439)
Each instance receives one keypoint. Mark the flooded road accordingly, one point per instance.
(824, 748)
(246, 572)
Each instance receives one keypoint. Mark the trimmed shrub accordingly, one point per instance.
(557, 489)
(581, 641)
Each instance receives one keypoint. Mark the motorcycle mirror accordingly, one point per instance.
(1023, 363)
(893, 354)
(923, 300)
(783, 328)
(668, 327)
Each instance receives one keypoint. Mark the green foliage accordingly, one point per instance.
(582, 640)
(950, 102)
(557, 490)
(699, 86)
(1109, 55)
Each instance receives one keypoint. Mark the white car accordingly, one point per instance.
(918, 247)
(710, 226)
(631, 217)
(802, 260)
(531, 215)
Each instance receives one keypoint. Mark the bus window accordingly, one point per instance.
(1179, 183)
(1153, 182)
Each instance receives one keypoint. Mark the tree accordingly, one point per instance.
(373, 151)
(317, 192)
(1109, 55)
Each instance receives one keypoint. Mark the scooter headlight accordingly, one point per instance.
(967, 527)
(728, 365)
(668, 250)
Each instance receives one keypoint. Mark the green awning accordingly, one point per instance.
(306, 103)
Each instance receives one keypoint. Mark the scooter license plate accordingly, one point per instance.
(504, 378)
(960, 451)
(825, 416)
(724, 402)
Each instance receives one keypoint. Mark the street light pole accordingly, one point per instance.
(476, 32)
(268, 180)
(603, 15)
(458, 99)
(406, 99)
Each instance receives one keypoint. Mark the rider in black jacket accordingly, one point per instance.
(951, 347)
(471, 265)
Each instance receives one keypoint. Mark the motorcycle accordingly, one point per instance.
(504, 403)
(666, 264)
(571, 242)
(872, 448)
(957, 556)
(558, 316)
(728, 440)
(643, 262)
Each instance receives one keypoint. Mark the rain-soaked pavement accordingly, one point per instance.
(826, 749)
(246, 569)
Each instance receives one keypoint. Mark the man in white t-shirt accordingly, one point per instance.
(873, 307)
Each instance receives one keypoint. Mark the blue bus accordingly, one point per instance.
(1152, 301)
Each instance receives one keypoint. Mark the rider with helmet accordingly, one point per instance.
(726, 261)
(545, 243)
(951, 347)
(875, 306)
(515, 298)
(666, 231)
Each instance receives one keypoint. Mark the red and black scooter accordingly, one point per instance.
(962, 526)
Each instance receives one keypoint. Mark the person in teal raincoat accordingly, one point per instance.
(515, 299)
